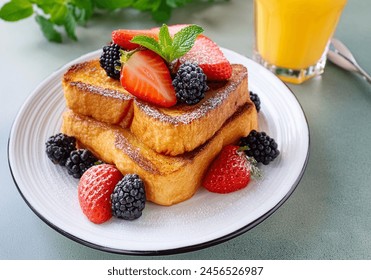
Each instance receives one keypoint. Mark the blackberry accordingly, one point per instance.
(59, 147)
(255, 98)
(79, 161)
(128, 198)
(110, 60)
(190, 83)
(261, 147)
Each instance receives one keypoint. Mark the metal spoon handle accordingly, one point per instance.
(340, 55)
(365, 74)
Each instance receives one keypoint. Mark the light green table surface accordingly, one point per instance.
(329, 214)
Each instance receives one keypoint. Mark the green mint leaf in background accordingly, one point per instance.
(161, 13)
(47, 28)
(184, 40)
(80, 15)
(178, 3)
(16, 10)
(52, 13)
(46, 5)
(82, 10)
(58, 13)
(113, 4)
(146, 5)
(70, 25)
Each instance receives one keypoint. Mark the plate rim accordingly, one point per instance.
(172, 251)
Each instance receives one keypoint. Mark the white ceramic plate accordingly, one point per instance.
(204, 220)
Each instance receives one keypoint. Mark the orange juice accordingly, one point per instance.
(293, 34)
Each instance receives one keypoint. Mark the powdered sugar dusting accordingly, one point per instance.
(101, 91)
(208, 49)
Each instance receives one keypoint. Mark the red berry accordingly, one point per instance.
(210, 58)
(229, 172)
(94, 192)
(172, 28)
(122, 37)
(146, 76)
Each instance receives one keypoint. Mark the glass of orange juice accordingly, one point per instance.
(292, 36)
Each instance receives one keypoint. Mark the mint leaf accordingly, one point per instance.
(82, 10)
(149, 43)
(58, 13)
(184, 40)
(146, 5)
(70, 25)
(164, 39)
(113, 4)
(52, 13)
(177, 3)
(46, 5)
(47, 28)
(162, 12)
(16, 10)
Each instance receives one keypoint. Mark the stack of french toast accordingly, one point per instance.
(170, 148)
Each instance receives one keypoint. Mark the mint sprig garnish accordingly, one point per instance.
(16, 10)
(167, 47)
(58, 16)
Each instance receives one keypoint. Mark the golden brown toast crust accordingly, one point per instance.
(168, 179)
(88, 91)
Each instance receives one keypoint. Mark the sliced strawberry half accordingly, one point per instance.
(207, 54)
(146, 76)
(172, 28)
(122, 37)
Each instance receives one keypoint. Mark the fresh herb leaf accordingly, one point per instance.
(82, 10)
(16, 10)
(146, 5)
(58, 13)
(113, 4)
(161, 13)
(164, 39)
(47, 27)
(148, 43)
(170, 48)
(184, 40)
(70, 25)
(46, 5)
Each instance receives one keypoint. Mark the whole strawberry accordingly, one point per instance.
(94, 192)
(229, 172)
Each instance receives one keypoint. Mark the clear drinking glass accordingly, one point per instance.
(292, 36)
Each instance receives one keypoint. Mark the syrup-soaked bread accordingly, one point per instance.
(168, 179)
(89, 91)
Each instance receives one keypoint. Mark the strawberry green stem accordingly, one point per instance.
(244, 148)
(125, 55)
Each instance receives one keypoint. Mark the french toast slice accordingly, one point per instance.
(173, 131)
(168, 179)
